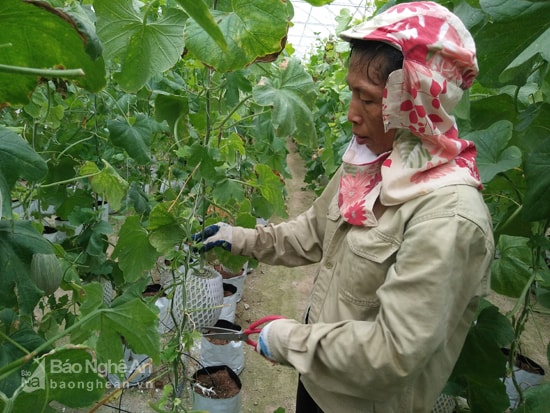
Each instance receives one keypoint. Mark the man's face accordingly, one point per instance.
(365, 111)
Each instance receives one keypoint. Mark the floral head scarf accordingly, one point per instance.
(439, 62)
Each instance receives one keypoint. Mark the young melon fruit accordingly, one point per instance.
(46, 272)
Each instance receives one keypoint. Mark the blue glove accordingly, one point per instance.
(216, 235)
(262, 347)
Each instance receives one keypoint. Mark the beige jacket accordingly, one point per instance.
(391, 305)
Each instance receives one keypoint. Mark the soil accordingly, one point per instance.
(219, 384)
(267, 387)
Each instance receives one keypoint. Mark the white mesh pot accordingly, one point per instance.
(444, 404)
(200, 297)
(108, 290)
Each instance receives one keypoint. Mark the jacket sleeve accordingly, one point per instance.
(292, 243)
(430, 292)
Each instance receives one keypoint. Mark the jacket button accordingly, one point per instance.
(329, 265)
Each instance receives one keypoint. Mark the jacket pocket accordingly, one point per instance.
(333, 213)
(369, 255)
(333, 221)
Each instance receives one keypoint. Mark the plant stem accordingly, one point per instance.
(68, 181)
(251, 185)
(519, 326)
(147, 10)
(13, 342)
(223, 208)
(173, 204)
(523, 299)
(244, 118)
(237, 106)
(524, 303)
(72, 145)
(66, 73)
(208, 111)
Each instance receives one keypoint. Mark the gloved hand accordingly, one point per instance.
(216, 235)
(262, 347)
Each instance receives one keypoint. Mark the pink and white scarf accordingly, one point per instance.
(439, 63)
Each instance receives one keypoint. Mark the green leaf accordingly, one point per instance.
(271, 188)
(93, 293)
(488, 397)
(493, 153)
(482, 347)
(537, 175)
(135, 138)
(491, 332)
(18, 242)
(67, 375)
(485, 112)
(173, 109)
(227, 190)
(18, 159)
(94, 238)
(291, 96)
(142, 45)
(84, 19)
(134, 252)
(35, 35)
(543, 297)
(503, 10)
(231, 147)
(319, 2)
(26, 338)
(199, 12)
(537, 399)
(496, 49)
(253, 29)
(521, 67)
(129, 317)
(511, 272)
(164, 226)
(237, 83)
(106, 181)
(137, 322)
(532, 127)
(206, 158)
(245, 214)
(139, 199)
